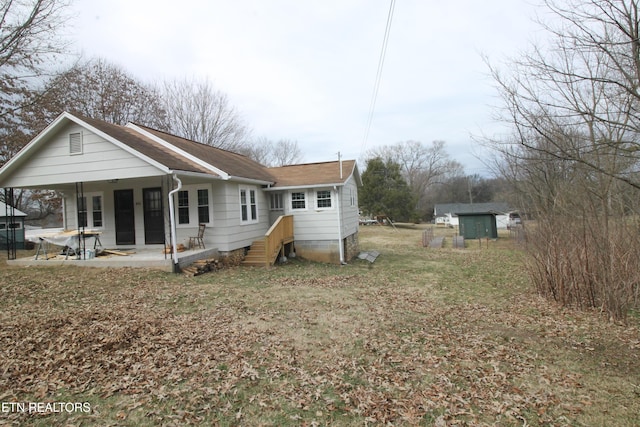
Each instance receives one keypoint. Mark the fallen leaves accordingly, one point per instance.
(327, 349)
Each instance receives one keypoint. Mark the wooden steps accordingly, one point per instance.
(256, 257)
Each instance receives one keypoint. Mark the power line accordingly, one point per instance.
(374, 96)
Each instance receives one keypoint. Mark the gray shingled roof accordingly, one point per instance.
(471, 208)
(232, 163)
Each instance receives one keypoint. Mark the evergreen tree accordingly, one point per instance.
(385, 192)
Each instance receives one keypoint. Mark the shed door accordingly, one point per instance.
(125, 221)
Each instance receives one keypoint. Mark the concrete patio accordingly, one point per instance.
(134, 258)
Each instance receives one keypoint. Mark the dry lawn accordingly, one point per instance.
(421, 337)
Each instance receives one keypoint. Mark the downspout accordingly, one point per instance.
(340, 242)
(172, 219)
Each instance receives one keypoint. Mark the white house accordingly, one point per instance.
(141, 188)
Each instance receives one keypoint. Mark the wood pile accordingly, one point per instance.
(169, 249)
(202, 266)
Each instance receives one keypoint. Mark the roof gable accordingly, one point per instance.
(163, 151)
(144, 146)
(47, 160)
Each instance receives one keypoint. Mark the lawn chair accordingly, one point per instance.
(198, 240)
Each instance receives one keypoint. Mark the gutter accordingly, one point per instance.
(303, 187)
(339, 209)
(172, 217)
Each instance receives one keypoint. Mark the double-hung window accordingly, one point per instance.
(183, 207)
(323, 199)
(298, 200)
(194, 206)
(96, 210)
(248, 205)
(90, 210)
(203, 206)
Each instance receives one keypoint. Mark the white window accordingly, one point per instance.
(75, 143)
(203, 206)
(298, 200)
(183, 207)
(90, 210)
(248, 205)
(194, 205)
(323, 199)
(96, 210)
(276, 202)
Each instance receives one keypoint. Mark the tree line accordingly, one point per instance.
(405, 180)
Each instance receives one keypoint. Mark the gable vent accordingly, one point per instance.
(75, 143)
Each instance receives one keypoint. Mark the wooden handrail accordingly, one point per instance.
(279, 234)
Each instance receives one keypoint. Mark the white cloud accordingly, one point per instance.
(305, 70)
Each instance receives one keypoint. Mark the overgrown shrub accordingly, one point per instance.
(585, 262)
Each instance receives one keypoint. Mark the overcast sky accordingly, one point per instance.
(305, 69)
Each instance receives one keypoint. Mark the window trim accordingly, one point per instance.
(276, 202)
(250, 204)
(180, 206)
(89, 211)
(318, 199)
(193, 206)
(76, 146)
(304, 199)
(200, 206)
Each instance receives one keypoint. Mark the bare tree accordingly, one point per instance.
(29, 43)
(575, 152)
(97, 89)
(422, 166)
(279, 153)
(285, 152)
(196, 111)
(582, 94)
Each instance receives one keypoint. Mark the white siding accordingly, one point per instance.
(312, 223)
(225, 232)
(100, 160)
(228, 233)
(323, 224)
(349, 205)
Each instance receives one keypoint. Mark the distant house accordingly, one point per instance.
(11, 226)
(474, 219)
(142, 188)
